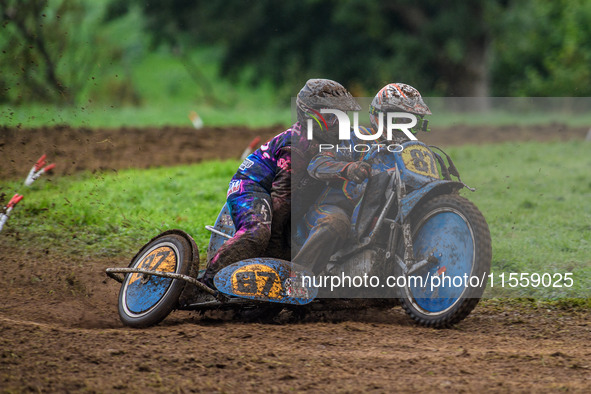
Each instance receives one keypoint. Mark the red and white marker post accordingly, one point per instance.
(8, 208)
(38, 170)
(251, 147)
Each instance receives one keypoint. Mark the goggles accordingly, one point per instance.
(422, 123)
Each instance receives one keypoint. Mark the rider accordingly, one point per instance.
(259, 195)
(327, 223)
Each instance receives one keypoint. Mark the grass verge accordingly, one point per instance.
(108, 214)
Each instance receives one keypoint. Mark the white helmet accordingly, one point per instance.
(398, 97)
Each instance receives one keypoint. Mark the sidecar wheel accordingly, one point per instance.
(452, 229)
(145, 300)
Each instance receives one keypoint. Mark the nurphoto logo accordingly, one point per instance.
(345, 128)
(391, 125)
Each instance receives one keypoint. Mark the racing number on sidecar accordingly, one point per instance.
(420, 160)
(257, 280)
(247, 282)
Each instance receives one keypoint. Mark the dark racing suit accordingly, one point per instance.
(259, 200)
(327, 223)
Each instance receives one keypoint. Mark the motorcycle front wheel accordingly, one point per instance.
(451, 229)
(145, 300)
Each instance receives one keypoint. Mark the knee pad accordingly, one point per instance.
(339, 223)
(257, 232)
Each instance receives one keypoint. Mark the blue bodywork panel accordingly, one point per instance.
(224, 224)
(419, 174)
(411, 199)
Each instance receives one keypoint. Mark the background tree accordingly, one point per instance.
(51, 50)
(441, 46)
(66, 50)
(543, 48)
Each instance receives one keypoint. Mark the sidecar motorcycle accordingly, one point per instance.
(411, 226)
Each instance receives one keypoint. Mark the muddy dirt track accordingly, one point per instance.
(59, 330)
(112, 149)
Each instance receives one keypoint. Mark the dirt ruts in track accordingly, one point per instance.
(59, 332)
(81, 149)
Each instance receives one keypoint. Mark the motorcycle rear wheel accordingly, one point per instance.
(145, 300)
(452, 229)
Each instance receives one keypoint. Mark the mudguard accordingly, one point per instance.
(184, 234)
(411, 200)
(267, 279)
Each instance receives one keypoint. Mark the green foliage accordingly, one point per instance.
(120, 84)
(56, 50)
(363, 44)
(156, 57)
(452, 48)
(167, 88)
(543, 48)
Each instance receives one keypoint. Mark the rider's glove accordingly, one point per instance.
(357, 171)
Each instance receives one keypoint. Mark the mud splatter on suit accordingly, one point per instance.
(260, 203)
(327, 223)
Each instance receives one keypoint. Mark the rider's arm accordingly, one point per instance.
(281, 200)
(326, 167)
(281, 187)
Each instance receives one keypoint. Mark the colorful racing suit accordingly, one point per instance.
(327, 224)
(259, 200)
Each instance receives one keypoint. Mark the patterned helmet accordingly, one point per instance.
(398, 97)
(323, 93)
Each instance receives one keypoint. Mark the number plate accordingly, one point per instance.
(266, 279)
(420, 160)
(257, 280)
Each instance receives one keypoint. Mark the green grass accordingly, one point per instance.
(115, 213)
(161, 89)
(149, 115)
(535, 197)
(502, 118)
(256, 110)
